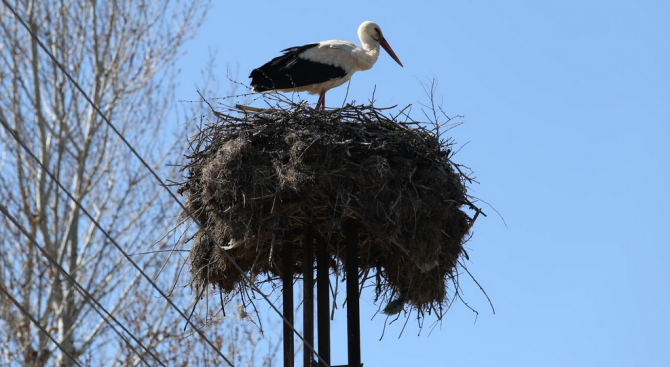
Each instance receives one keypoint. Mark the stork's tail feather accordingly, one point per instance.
(260, 82)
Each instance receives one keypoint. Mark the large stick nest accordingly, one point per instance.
(256, 179)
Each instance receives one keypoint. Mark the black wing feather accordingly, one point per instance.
(291, 71)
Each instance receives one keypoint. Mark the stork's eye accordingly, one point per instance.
(378, 35)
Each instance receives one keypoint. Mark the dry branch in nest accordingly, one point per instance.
(258, 178)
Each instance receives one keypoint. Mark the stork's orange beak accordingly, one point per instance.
(387, 47)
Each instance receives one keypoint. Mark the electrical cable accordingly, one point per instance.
(78, 286)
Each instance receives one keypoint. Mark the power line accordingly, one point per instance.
(106, 234)
(34, 321)
(162, 184)
(79, 288)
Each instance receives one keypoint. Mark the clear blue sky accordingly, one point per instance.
(567, 115)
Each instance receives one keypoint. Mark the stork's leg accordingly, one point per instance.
(321, 104)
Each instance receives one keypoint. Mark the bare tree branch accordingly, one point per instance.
(122, 53)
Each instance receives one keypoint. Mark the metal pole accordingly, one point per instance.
(287, 278)
(308, 295)
(323, 299)
(353, 310)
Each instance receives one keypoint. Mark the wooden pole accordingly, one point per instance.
(287, 278)
(308, 295)
(353, 307)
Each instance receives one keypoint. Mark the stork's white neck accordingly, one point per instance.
(371, 51)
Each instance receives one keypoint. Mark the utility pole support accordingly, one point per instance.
(308, 295)
(323, 299)
(287, 289)
(353, 307)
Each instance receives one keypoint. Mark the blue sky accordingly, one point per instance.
(567, 115)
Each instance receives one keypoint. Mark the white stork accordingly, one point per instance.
(318, 67)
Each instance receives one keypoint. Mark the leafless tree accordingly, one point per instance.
(122, 53)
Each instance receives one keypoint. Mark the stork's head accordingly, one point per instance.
(369, 32)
